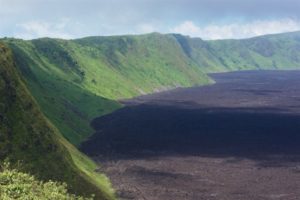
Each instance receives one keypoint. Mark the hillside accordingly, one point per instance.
(278, 51)
(77, 80)
(63, 84)
(57, 88)
(30, 142)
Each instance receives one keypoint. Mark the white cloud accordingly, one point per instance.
(237, 30)
(66, 28)
(37, 29)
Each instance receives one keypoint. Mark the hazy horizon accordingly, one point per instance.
(138, 34)
(206, 19)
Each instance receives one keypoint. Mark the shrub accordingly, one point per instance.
(23, 186)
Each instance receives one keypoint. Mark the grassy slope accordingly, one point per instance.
(279, 51)
(142, 64)
(75, 81)
(57, 89)
(26, 135)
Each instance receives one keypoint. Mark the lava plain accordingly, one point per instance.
(236, 139)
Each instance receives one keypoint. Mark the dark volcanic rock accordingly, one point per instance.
(237, 139)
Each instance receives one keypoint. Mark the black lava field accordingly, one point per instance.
(236, 139)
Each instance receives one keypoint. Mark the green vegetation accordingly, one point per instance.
(279, 51)
(69, 106)
(50, 88)
(27, 136)
(77, 80)
(17, 185)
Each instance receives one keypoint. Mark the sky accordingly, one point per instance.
(207, 19)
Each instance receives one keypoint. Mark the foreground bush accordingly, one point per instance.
(22, 186)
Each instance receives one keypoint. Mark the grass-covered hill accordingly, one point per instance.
(31, 143)
(52, 88)
(77, 80)
(278, 51)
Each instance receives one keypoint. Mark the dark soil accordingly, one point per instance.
(236, 139)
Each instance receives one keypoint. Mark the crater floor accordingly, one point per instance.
(236, 139)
